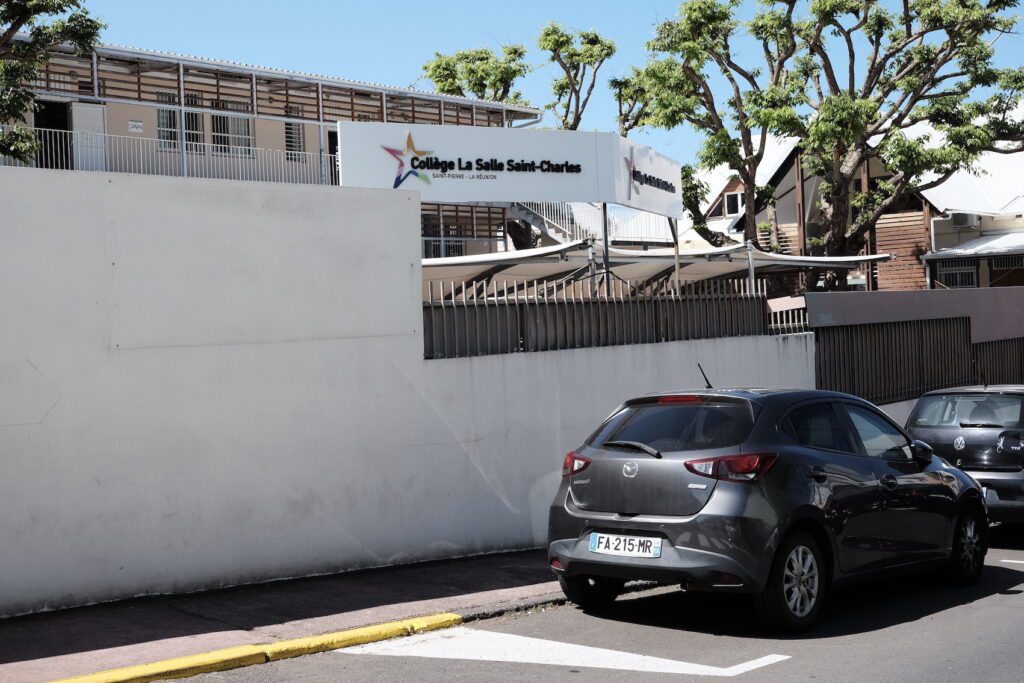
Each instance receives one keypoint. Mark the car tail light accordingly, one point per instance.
(747, 467)
(574, 463)
(681, 399)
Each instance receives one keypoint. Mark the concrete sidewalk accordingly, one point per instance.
(86, 640)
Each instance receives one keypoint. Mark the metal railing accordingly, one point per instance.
(473, 319)
(581, 220)
(789, 321)
(438, 247)
(74, 150)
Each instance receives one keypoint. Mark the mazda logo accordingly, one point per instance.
(959, 443)
(630, 469)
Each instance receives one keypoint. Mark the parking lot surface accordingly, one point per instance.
(911, 628)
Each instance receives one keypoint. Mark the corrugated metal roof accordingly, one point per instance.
(999, 244)
(127, 51)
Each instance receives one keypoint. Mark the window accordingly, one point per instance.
(232, 134)
(294, 142)
(167, 122)
(880, 438)
(194, 142)
(714, 423)
(957, 273)
(817, 426)
(962, 410)
(716, 210)
(733, 203)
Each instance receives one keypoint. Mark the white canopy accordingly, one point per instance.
(551, 263)
(999, 244)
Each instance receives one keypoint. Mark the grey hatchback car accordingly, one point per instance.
(782, 494)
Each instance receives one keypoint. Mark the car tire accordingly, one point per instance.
(792, 599)
(970, 544)
(591, 592)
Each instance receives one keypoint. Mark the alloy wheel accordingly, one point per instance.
(970, 545)
(800, 581)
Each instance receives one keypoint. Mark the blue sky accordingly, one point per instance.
(388, 42)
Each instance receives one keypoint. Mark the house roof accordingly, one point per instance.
(995, 188)
(998, 244)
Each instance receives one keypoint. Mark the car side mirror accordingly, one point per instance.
(921, 452)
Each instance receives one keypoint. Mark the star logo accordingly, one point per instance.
(405, 156)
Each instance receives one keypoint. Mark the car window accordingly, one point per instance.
(966, 410)
(817, 425)
(679, 426)
(880, 438)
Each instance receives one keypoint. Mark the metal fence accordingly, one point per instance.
(72, 150)
(789, 321)
(466, 319)
(897, 361)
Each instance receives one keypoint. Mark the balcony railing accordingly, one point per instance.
(73, 150)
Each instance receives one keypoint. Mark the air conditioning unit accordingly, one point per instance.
(966, 220)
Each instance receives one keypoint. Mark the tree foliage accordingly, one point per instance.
(45, 24)
(480, 73)
(754, 101)
(694, 192)
(580, 57)
(633, 99)
(915, 88)
(913, 85)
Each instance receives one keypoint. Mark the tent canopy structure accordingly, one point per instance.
(574, 260)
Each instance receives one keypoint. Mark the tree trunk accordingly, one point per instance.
(749, 211)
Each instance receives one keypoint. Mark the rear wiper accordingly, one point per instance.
(636, 446)
(983, 425)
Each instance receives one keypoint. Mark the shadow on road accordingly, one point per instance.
(855, 609)
(143, 620)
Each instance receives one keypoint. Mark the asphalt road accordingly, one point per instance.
(913, 628)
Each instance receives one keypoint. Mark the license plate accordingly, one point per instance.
(625, 546)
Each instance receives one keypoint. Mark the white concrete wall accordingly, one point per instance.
(206, 383)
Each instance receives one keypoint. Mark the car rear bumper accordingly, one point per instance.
(724, 538)
(692, 568)
(1004, 494)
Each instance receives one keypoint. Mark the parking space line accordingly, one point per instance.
(462, 643)
(1013, 561)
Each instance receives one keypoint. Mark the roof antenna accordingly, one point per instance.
(706, 380)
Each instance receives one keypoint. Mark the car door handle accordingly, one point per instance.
(818, 474)
(890, 482)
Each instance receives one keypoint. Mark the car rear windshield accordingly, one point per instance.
(969, 410)
(671, 427)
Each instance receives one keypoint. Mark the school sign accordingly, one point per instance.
(470, 164)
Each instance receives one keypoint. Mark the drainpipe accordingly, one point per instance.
(931, 250)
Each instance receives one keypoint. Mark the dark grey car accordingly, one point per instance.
(781, 494)
(980, 430)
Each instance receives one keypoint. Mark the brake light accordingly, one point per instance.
(681, 399)
(747, 467)
(574, 463)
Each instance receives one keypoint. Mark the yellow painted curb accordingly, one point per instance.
(248, 655)
(359, 636)
(180, 667)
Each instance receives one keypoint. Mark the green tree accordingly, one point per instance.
(694, 191)
(878, 78)
(480, 73)
(579, 56)
(633, 99)
(45, 24)
(696, 52)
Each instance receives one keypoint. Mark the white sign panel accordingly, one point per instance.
(476, 164)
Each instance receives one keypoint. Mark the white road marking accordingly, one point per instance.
(1013, 561)
(474, 644)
